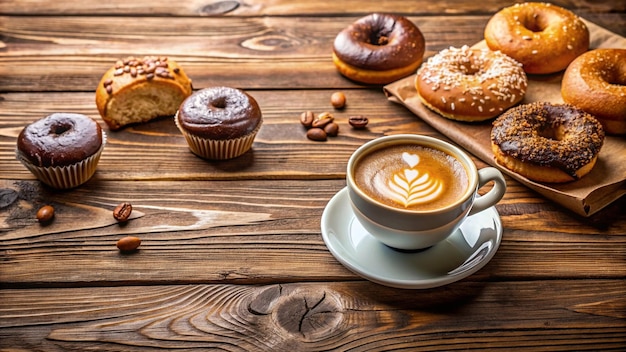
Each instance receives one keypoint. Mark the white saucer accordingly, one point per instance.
(463, 253)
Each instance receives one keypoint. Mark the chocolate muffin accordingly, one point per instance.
(219, 122)
(62, 150)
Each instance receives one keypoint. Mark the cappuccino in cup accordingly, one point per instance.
(411, 176)
(411, 191)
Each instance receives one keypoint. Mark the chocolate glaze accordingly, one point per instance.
(219, 113)
(524, 133)
(60, 139)
(380, 42)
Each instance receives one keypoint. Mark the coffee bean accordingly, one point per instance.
(128, 243)
(338, 100)
(306, 118)
(323, 119)
(122, 211)
(332, 129)
(45, 214)
(358, 122)
(316, 134)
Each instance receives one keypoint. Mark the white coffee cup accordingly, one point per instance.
(408, 228)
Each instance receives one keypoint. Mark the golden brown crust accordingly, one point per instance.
(378, 49)
(596, 83)
(539, 173)
(371, 76)
(469, 84)
(137, 90)
(545, 38)
(547, 142)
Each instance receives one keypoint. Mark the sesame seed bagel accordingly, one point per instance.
(545, 38)
(547, 142)
(469, 84)
(379, 49)
(596, 82)
(139, 90)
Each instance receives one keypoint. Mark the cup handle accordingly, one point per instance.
(494, 195)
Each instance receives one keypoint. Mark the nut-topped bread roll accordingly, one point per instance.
(139, 90)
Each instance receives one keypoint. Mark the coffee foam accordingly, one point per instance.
(411, 177)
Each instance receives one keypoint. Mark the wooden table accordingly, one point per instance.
(232, 256)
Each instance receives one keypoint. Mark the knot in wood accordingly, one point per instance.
(306, 313)
(219, 8)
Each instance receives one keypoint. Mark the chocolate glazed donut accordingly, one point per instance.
(379, 48)
(547, 142)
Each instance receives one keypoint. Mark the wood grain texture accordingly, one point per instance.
(71, 53)
(279, 7)
(242, 232)
(355, 316)
(231, 257)
(158, 150)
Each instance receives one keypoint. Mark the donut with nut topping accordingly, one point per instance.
(547, 142)
(470, 85)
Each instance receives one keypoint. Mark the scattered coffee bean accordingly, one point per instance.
(332, 129)
(323, 119)
(128, 243)
(306, 118)
(316, 134)
(338, 100)
(358, 122)
(122, 211)
(45, 214)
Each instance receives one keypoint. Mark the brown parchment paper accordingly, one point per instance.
(603, 185)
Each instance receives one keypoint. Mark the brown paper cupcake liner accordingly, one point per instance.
(65, 177)
(214, 149)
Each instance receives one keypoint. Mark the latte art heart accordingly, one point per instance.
(410, 159)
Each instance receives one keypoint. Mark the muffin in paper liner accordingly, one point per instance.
(215, 149)
(65, 177)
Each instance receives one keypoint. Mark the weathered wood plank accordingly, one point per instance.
(158, 150)
(469, 315)
(245, 231)
(278, 8)
(71, 53)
